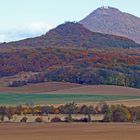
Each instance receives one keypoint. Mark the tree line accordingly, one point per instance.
(113, 113)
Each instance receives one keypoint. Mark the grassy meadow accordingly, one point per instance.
(21, 99)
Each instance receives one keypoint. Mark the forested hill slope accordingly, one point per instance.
(94, 66)
(72, 53)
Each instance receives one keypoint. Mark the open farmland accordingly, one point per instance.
(72, 131)
(71, 88)
(37, 88)
(61, 93)
(101, 90)
(41, 99)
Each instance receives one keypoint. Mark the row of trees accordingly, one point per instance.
(70, 108)
(114, 113)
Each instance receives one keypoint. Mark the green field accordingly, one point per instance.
(21, 99)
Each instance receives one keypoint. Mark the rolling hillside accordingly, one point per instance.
(72, 53)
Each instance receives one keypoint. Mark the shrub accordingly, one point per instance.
(86, 119)
(17, 83)
(24, 120)
(38, 120)
(56, 119)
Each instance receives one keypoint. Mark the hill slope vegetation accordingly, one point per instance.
(72, 53)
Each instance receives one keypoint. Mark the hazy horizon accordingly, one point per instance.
(23, 19)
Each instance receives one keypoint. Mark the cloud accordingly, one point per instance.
(38, 27)
(18, 32)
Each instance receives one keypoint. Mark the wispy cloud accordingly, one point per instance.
(18, 32)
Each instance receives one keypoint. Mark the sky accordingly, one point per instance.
(29, 18)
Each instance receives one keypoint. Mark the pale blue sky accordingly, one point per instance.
(26, 18)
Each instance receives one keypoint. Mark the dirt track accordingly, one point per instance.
(69, 132)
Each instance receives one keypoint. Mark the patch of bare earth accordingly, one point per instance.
(70, 131)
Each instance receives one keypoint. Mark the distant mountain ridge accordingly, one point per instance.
(76, 35)
(110, 20)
